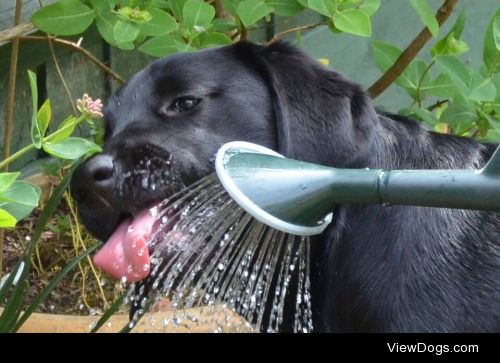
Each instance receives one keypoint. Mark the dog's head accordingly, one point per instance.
(164, 127)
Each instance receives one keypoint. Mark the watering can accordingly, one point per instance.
(297, 197)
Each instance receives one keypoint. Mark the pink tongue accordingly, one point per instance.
(126, 254)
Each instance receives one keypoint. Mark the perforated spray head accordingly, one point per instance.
(285, 194)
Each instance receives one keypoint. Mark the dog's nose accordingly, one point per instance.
(100, 168)
(97, 175)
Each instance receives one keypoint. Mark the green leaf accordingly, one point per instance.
(213, 39)
(198, 14)
(224, 25)
(442, 86)
(36, 135)
(456, 70)
(421, 113)
(426, 15)
(115, 307)
(134, 15)
(22, 193)
(7, 220)
(451, 43)
(125, 31)
(161, 46)
(176, 7)
(24, 264)
(103, 7)
(285, 7)
(231, 6)
(20, 199)
(456, 114)
(412, 76)
(370, 7)
(353, 21)
(106, 25)
(161, 23)
(66, 17)
(68, 125)
(251, 11)
(386, 55)
(44, 115)
(482, 89)
(53, 283)
(491, 52)
(324, 7)
(7, 179)
(71, 148)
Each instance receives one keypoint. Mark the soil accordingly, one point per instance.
(55, 250)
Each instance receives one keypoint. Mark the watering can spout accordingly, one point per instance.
(290, 195)
(297, 197)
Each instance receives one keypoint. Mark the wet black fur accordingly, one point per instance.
(375, 269)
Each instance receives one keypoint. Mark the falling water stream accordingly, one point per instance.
(209, 253)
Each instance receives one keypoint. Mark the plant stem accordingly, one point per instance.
(280, 35)
(78, 48)
(30, 147)
(421, 81)
(51, 137)
(16, 155)
(390, 76)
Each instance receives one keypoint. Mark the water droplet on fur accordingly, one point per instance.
(153, 212)
(123, 280)
(144, 183)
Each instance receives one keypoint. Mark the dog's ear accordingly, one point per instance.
(321, 116)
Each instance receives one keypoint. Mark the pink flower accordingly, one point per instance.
(89, 107)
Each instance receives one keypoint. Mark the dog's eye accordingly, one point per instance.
(183, 104)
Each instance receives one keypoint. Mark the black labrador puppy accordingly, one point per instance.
(375, 269)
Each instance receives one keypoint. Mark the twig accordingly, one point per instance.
(9, 112)
(22, 29)
(280, 35)
(58, 69)
(421, 81)
(411, 52)
(61, 77)
(437, 104)
(75, 46)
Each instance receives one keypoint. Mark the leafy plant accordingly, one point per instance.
(449, 95)
(13, 290)
(162, 27)
(19, 198)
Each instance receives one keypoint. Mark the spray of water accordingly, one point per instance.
(209, 253)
